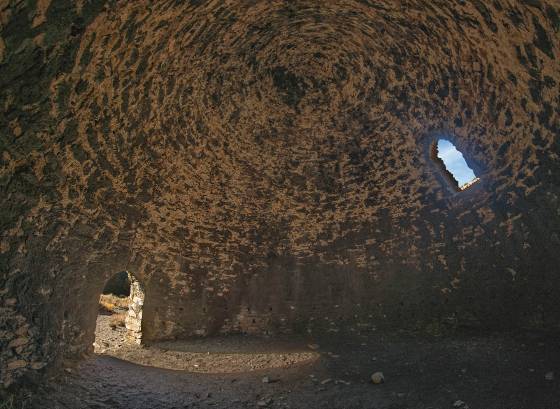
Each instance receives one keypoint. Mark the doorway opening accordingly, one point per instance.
(453, 165)
(119, 334)
(119, 321)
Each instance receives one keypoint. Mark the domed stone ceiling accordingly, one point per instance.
(265, 165)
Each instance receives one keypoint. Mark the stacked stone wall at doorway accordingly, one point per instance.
(133, 320)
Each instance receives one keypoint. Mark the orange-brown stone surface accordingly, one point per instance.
(264, 166)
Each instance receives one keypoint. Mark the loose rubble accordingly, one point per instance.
(378, 378)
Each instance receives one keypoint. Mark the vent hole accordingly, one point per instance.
(453, 165)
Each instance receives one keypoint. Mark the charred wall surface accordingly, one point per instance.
(265, 166)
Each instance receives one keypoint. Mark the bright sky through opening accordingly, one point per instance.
(454, 162)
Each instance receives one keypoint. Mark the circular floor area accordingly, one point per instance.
(456, 371)
(228, 354)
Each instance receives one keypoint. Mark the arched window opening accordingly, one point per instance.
(453, 165)
(119, 321)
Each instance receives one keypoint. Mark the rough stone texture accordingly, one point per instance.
(133, 320)
(265, 166)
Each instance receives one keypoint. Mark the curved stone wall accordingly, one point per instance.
(265, 166)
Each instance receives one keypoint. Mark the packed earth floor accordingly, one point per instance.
(457, 370)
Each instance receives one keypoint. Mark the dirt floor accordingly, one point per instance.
(459, 371)
(221, 355)
(108, 340)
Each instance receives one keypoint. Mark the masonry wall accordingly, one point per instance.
(133, 320)
(265, 167)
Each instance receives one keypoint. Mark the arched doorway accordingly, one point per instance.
(119, 321)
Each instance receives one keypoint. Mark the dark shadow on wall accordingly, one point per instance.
(119, 285)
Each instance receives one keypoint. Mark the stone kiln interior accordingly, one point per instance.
(266, 167)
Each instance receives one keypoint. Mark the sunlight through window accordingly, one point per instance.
(455, 164)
